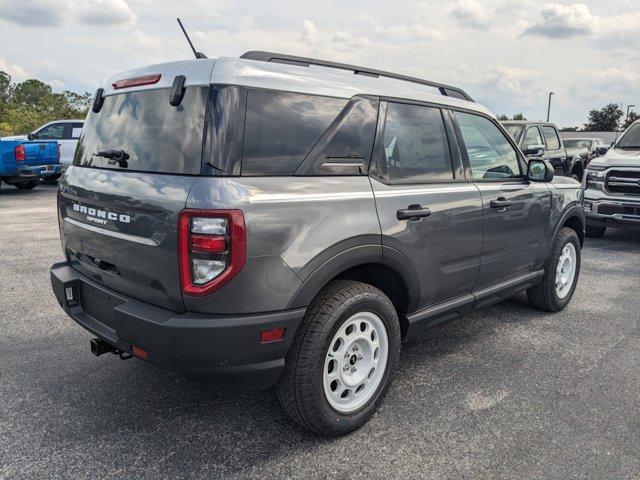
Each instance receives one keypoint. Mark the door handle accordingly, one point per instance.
(501, 204)
(414, 212)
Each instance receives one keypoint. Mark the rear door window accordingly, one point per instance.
(415, 148)
(551, 137)
(281, 128)
(156, 136)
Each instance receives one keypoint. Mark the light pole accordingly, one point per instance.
(626, 119)
(549, 106)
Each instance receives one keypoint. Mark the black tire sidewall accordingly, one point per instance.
(341, 422)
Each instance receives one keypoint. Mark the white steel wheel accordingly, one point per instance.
(566, 270)
(355, 362)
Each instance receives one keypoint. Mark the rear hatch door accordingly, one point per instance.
(119, 219)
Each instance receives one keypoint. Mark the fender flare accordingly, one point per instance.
(354, 257)
(574, 210)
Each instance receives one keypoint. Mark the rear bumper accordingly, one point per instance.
(607, 211)
(216, 349)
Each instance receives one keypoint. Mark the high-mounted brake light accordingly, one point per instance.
(212, 246)
(20, 153)
(137, 81)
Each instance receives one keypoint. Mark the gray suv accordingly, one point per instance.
(279, 220)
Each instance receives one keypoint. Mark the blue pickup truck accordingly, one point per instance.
(24, 163)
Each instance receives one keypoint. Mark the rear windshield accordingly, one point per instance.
(156, 136)
(574, 143)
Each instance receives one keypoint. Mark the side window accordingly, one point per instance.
(415, 147)
(54, 131)
(550, 135)
(533, 137)
(347, 142)
(282, 127)
(490, 153)
(76, 130)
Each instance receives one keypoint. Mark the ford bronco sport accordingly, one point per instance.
(612, 186)
(278, 220)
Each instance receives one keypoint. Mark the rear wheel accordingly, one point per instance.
(562, 269)
(595, 232)
(30, 185)
(342, 360)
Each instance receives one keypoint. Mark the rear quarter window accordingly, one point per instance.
(281, 128)
(551, 137)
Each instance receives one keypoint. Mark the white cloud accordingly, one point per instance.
(105, 12)
(471, 13)
(32, 13)
(565, 21)
(17, 73)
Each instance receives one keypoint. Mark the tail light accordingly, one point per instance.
(212, 245)
(59, 151)
(20, 154)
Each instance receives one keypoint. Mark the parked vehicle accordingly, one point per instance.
(287, 225)
(585, 148)
(612, 185)
(541, 140)
(65, 132)
(22, 164)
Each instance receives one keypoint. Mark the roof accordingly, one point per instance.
(312, 79)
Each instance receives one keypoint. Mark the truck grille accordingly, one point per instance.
(628, 210)
(624, 181)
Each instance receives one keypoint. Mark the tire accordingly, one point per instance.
(29, 185)
(595, 232)
(546, 295)
(306, 389)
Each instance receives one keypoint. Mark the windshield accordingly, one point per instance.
(631, 138)
(513, 130)
(577, 143)
(146, 130)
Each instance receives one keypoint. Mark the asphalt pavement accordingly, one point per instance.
(507, 392)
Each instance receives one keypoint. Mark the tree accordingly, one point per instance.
(503, 118)
(607, 119)
(518, 116)
(570, 129)
(633, 116)
(27, 105)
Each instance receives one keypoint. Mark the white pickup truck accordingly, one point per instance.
(65, 132)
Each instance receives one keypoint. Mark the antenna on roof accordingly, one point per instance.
(197, 54)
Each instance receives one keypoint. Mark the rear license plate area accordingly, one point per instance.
(98, 304)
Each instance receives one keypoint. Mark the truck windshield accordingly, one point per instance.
(156, 136)
(631, 138)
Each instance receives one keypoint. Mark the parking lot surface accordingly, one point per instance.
(507, 392)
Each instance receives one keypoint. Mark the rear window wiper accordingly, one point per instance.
(115, 156)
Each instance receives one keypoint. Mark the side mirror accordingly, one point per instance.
(602, 149)
(537, 150)
(31, 136)
(540, 171)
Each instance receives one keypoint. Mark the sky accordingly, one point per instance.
(507, 54)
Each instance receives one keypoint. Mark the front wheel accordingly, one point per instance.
(562, 269)
(342, 360)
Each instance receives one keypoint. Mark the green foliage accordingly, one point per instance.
(504, 118)
(607, 119)
(633, 116)
(27, 105)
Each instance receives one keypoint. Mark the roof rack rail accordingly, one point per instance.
(446, 90)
